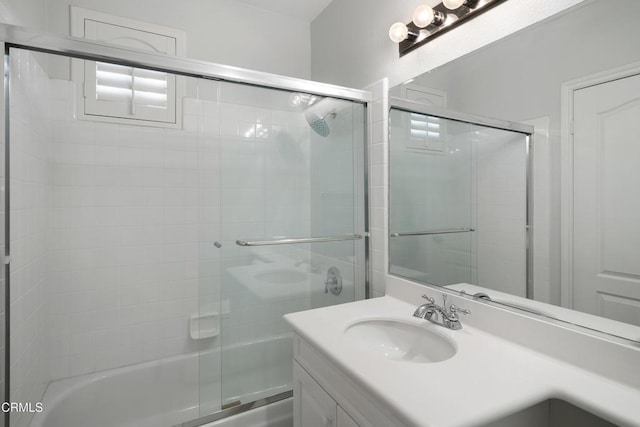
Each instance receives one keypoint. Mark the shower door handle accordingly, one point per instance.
(433, 232)
(297, 240)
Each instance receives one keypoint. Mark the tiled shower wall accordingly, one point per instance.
(31, 176)
(131, 207)
(135, 210)
(107, 222)
(378, 152)
(117, 223)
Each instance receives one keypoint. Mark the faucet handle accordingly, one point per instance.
(456, 309)
(428, 298)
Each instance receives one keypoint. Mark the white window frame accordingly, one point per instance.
(425, 135)
(83, 73)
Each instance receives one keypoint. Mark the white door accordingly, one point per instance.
(606, 185)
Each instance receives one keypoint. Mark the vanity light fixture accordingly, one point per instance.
(454, 4)
(399, 32)
(424, 15)
(430, 22)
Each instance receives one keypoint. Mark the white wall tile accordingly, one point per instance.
(378, 184)
(31, 182)
(133, 214)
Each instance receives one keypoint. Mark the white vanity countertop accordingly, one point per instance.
(488, 378)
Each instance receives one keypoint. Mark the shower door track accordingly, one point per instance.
(13, 36)
(236, 410)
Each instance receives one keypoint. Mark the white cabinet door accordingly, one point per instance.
(606, 211)
(344, 420)
(312, 406)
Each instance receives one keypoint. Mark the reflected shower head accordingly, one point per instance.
(319, 123)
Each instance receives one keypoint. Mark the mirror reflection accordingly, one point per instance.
(466, 186)
(458, 188)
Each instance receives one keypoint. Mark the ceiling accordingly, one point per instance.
(306, 10)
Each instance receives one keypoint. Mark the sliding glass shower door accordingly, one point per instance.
(290, 227)
(432, 209)
(458, 200)
(157, 258)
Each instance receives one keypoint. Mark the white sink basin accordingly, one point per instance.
(401, 341)
(281, 276)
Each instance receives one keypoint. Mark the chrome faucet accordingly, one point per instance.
(440, 315)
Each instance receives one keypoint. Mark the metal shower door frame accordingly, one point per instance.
(17, 37)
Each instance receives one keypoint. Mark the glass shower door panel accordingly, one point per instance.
(432, 198)
(201, 115)
(458, 202)
(121, 218)
(288, 171)
(501, 188)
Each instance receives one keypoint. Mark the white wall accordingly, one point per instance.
(220, 31)
(350, 45)
(28, 13)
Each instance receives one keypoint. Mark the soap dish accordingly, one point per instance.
(204, 325)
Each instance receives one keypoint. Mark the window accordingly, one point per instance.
(425, 132)
(123, 94)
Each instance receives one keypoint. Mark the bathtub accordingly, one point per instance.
(161, 393)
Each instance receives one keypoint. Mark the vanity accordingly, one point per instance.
(372, 363)
(501, 197)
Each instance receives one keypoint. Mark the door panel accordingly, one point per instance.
(606, 238)
(282, 177)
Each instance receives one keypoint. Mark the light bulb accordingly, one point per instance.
(423, 16)
(452, 4)
(398, 32)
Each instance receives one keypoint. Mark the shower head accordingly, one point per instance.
(319, 123)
